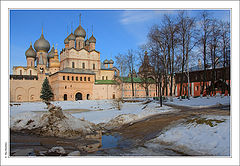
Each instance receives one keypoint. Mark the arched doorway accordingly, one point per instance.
(65, 97)
(78, 96)
(88, 96)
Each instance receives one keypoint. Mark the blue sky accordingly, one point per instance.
(116, 31)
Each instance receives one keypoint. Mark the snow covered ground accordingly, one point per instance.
(197, 137)
(201, 102)
(102, 111)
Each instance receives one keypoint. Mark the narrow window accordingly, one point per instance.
(20, 72)
(80, 78)
(65, 97)
(85, 79)
(31, 63)
(63, 77)
(83, 65)
(30, 72)
(65, 87)
(72, 78)
(102, 77)
(68, 78)
(76, 78)
(106, 77)
(88, 78)
(73, 65)
(93, 66)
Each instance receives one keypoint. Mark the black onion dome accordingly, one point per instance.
(66, 41)
(111, 61)
(51, 53)
(71, 37)
(30, 52)
(105, 61)
(92, 39)
(42, 44)
(80, 32)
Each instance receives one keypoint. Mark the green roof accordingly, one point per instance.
(105, 82)
(135, 80)
(128, 79)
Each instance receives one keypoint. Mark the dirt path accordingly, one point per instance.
(148, 129)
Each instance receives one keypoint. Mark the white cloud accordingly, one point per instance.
(139, 16)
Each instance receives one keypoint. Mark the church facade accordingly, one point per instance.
(77, 74)
(74, 73)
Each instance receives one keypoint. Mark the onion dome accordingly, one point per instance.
(71, 37)
(92, 39)
(42, 44)
(80, 32)
(87, 42)
(30, 52)
(105, 61)
(51, 53)
(66, 41)
(111, 61)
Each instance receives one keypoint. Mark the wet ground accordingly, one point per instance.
(123, 141)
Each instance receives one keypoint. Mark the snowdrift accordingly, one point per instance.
(53, 123)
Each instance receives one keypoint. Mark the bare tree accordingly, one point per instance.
(158, 51)
(225, 47)
(172, 28)
(185, 31)
(204, 34)
(213, 45)
(121, 64)
(130, 62)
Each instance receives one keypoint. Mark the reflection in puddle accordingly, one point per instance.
(110, 141)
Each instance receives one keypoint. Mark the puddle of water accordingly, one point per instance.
(110, 141)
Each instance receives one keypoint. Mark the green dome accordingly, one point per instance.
(92, 39)
(51, 53)
(41, 44)
(105, 61)
(80, 32)
(111, 61)
(71, 37)
(30, 52)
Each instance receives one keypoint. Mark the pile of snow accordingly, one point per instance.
(52, 123)
(201, 101)
(198, 139)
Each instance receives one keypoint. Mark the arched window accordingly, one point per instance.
(30, 72)
(88, 96)
(85, 79)
(20, 72)
(65, 97)
(106, 77)
(88, 78)
(73, 65)
(102, 77)
(72, 78)
(83, 65)
(63, 77)
(93, 66)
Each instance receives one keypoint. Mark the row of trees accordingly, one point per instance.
(176, 44)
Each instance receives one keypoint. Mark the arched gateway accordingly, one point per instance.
(78, 96)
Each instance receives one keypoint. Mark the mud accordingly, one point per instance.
(150, 128)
